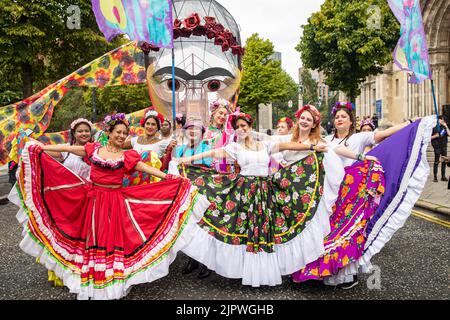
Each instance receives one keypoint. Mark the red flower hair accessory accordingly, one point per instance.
(341, 105)
(288, 121)
(149, 112)
(314, 111)
(211, 29)
(241, 116)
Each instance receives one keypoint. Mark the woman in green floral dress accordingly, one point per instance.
(258, 227)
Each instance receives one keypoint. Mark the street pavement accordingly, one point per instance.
(413, 265)
(436, 192)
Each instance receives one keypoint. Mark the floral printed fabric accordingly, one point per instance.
(260, 212)
(121, 66)
(358, 198)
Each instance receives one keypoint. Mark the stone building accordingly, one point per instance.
(392, 97)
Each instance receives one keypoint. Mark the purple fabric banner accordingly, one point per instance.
(141, 20)
(411, 53)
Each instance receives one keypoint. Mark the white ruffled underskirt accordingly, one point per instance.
(119, 289)
(257, 269)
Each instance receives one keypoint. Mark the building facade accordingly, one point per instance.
(392, 97)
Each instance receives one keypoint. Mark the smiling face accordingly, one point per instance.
(165, 128)
(219, 117)
(342, 121)
(151, 127)
(243, 129)
(82, 134)
(282, 128)
(306, 122)
(118, 135)
(194, 134)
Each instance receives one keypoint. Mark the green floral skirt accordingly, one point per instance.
(260, 212)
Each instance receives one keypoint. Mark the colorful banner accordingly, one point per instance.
(123, 65)
(141, 20)
(411, 53)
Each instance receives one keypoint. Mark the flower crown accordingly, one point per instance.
(111, 120)
(314, 111)
(243, 116)
(79, 121)
(211, 29)
(367, 122)
(151, 112)
(288, 121)
(339, 105)
(221, 103)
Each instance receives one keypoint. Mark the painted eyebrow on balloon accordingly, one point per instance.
(201, 76)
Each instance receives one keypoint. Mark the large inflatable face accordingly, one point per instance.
(207, 61)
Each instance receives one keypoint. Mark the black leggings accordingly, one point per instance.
(438, 152)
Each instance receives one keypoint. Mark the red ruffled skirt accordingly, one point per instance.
(101, 241)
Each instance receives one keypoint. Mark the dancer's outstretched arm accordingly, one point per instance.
(142, 167)
(349, 153)
(295, 146)
(214, 153)
(77, 150)
(381, 135)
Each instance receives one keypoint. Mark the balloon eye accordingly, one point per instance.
(214, 85)
(177, 84)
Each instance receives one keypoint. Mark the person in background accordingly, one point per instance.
(166, 130)
(194, 133)
(375, 120)
(439, 140)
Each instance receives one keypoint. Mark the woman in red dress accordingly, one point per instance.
(101, 238)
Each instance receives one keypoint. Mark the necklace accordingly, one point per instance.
(145, 140)
(109, 148)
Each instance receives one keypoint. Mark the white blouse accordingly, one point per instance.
(252, 163)
(76, 164)
(357, 143)
(158, 147)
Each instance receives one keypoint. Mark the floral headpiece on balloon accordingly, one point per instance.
(211, 29)
(79, 121)
(314, 111)
(112, 120)
(221, 103)
(342, 105)
(151, 112)
(288, 121)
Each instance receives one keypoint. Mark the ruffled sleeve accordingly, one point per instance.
(131, 159)
(90, 148)
(232, 150)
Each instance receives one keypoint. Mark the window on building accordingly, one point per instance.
(397, 87)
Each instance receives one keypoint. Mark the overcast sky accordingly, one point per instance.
(276, 20)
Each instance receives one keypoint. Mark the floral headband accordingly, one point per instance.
(79, 121)
(288, 121)
(112, 120)
(367, 122)
(340, 105)
(314, 111)
(243, 116)
(221, 103)
(152, 113)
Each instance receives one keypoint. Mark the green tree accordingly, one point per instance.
(264, 80)
(309, 88)
(39, 48)
(349, 40)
